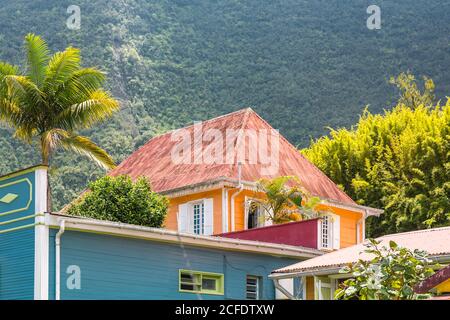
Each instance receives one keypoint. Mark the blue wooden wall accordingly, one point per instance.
(124, 268)
(17, 237)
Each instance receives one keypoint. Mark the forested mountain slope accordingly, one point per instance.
(303, 65)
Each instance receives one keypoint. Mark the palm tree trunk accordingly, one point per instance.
(45, 162)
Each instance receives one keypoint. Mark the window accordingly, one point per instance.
(326, 232)
(253, 288)
(201, 282)
(196, 217)
(324, 288)
(199, 217)
(255, 215)
(329, 232)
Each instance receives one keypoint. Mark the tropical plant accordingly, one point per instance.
(391, 274)
(286, 200)
(52, 99)
(398, 161)
(122, 200)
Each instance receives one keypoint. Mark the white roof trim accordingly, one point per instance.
(169, 236)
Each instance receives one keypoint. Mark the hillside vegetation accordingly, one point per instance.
(398, 161)
(303, 65)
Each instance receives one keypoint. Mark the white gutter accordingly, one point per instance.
(233, 197)
(368, 211)
(58, 259)
(164, 235)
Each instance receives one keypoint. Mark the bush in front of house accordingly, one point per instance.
(391, 274)
(120, 199)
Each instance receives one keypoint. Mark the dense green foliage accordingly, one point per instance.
(303, 65)
(53, 99)
(398, 161)
(391, 274)
(122, 200)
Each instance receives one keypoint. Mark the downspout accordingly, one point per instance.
(58, 259)
(233, 197)
(282, 289)
(361, 227)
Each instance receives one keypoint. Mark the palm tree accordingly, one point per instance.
(52, 99)
(286, 200)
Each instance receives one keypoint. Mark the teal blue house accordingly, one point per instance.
(51, 256)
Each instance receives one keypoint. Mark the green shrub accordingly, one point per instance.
(122, 200)
(390, 275)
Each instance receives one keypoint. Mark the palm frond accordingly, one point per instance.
(61, 67)
(24, 90)
(79, 86)
(6, 70)
(37, 57)
(9, 112)
(50, 140)
(83, 115)
(85, 146)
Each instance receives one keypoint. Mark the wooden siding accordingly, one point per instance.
(125, 268)
(171, 219)
(17, 246)
(348, 221)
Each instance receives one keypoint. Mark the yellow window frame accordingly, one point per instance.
(198, 280)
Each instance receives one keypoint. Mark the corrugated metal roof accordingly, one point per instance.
(435, 241)
(154, 160)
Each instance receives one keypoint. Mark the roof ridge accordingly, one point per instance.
(234, 166)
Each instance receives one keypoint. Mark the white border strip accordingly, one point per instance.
(41, 235)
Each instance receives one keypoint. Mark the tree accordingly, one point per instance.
(285, 199)
(398, 161)
(54, 98)
(122, 200)
(391, 274)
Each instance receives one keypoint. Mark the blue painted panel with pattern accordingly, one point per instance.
(17, 210)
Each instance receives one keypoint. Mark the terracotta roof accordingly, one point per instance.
(435, 241)
(154, 160)
(434, 280)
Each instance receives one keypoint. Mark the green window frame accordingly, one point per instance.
(200, 282)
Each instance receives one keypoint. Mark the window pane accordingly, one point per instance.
(185, 277)
(209, 284)
(199, 218)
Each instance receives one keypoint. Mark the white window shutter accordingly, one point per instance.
(183, 218)
(336, 231)
(209, 217)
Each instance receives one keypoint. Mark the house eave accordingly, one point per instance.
(169, 236)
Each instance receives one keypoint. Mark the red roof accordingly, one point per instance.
(154, 160)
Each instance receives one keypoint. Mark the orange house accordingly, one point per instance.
(208, 171)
